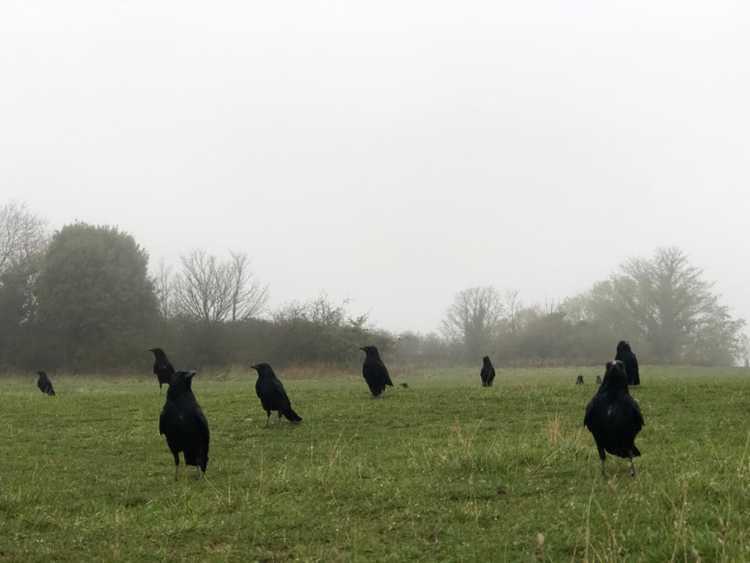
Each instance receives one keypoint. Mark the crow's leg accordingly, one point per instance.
(279, 413)
(268, 417)
(632, 465)
(176, 465)
(602, 457)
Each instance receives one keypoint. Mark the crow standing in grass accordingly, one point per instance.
(162, 367)
(44, 384)
(613, 416)
(183, 423)
(272, 395)
(579, 380)
(374, 371)
(627, 357)
(488, 372)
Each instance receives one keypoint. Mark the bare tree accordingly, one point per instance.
(22, 235)
(513, 306)
(215, 291)
(164, 289)
(473, 318)
(249, 296)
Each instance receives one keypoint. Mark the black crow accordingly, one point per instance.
(627, 357)
(272, 395)
(374, 371)
(598, 379)
(162, 368)
(488, 372)
(44, 384)
(579, 380)
(183, 423)
(613, 416)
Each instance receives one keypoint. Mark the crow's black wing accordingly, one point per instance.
(632, 410)
(201, 424)
(369, 372)
(163, 371)
(279, 391)
(168, 418)
(385, 375)
(591, 411)
(271, 393)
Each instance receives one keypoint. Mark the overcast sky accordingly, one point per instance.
(391, 153)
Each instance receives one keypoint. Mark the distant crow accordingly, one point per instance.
(272, 395)
(613, 416)
(579, 380)
(405, 385)
(488, 372)
(183, 423)
(162, 368)
(44, 384)
(598, 379)
(374, 371)
(627, 357)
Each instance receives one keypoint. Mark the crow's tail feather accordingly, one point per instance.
(291, 416)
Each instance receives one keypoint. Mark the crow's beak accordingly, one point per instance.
(362, 348)
(191, 375)
(255, 367)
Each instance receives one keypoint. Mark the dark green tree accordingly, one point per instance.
(96, 302)
(666, 307)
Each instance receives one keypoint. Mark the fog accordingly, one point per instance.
(389, 153)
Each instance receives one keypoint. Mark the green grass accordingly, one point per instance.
(443, 470)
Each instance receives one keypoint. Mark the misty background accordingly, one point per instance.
(389, 155)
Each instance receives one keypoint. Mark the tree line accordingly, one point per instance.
(83, 299)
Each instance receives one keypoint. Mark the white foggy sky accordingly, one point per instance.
(391, 153)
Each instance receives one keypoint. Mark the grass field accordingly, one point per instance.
(442, 470)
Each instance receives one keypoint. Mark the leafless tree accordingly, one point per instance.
(249, 296)
(22, 235)
(473, 318)
(215, 291)
(513, 306)
(164, 289)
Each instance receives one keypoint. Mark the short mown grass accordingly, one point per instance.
(441, 470)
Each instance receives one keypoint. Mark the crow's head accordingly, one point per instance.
(615, 376)
(42, 373)
(180, 384)
(263, 369)
(371, 351)
(158, 354)
(623, 346)
(486, 360)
